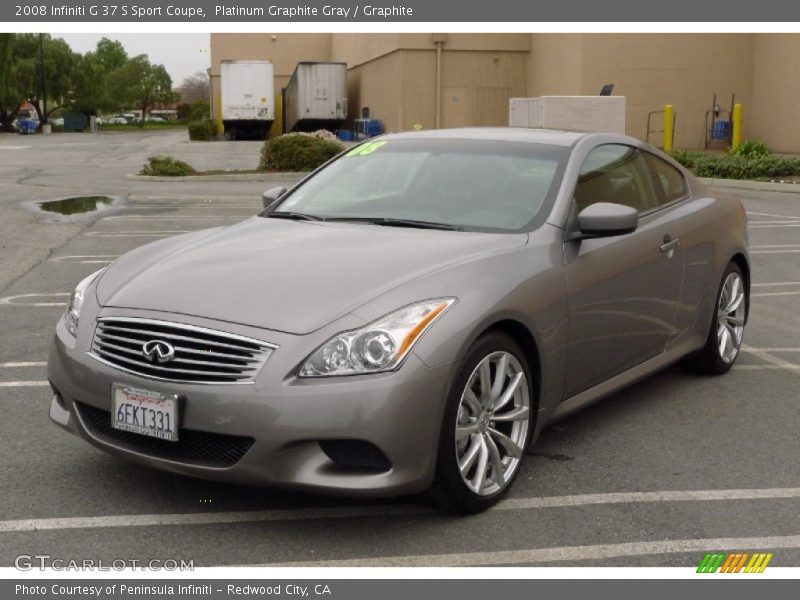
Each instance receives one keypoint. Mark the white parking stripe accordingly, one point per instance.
(175, 218)
(558, 554)
(773, 360)
(768, 246)
(775, 349)
(19, 365)
(760, 214)
(163, 233)
(10, 384)
(86, 259)
(794, 251)
(776, 283)
(766, 368)
(212, 518)
(786, 224)
(765, 294)
(14, 300)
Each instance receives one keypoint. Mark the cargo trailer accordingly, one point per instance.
(316, 97)
(247, 98)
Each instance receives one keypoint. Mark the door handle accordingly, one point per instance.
(670, 243)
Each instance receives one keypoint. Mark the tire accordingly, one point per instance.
(488, 435)
(716, 357)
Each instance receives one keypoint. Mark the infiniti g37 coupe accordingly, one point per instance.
(408, 317)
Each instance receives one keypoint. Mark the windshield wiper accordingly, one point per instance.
(393, 222)
(294, 216)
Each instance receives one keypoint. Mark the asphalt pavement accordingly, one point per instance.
(656, 475)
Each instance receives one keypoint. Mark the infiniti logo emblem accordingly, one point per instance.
(158, 351)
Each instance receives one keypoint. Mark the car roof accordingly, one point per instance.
(500, 134)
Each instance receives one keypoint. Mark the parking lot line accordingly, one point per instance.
(767, 294)
(776, 283)
(379, 510)
(19, 365)
(14, 300)
(162, 233)
(769, 358)
(558, 554)
(87, 259)
(761, 214)
(155, 217)
(24, 384)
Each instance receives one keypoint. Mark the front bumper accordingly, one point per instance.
(285, 418)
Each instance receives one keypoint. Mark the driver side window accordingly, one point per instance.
(614, 173)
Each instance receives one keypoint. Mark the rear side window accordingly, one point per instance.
(615, 173)
(669, 182)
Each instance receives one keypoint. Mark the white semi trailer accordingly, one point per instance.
(247, 98)
(316, 97)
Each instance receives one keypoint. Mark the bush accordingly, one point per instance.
(199, 110)
(746, 167)
(751, 149)
(203, 131)
(688, 158)
(298, 152)
(166, 166)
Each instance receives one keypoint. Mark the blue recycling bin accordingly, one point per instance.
(27, 126)
(720, 131)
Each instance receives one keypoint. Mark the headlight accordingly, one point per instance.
(76, 302)
(379, 346)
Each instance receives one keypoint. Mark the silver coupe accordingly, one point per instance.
(407, 318)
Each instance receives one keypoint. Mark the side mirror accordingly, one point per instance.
(272, 195)
(605, 219)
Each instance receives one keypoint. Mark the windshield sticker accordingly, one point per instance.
(366, 149)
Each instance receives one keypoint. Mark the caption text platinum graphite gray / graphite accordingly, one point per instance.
(302, 10)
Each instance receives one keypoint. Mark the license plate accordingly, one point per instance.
(145, 412)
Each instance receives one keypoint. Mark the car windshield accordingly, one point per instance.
(474, 185)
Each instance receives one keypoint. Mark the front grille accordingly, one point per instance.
(193, 447)
(201, 355)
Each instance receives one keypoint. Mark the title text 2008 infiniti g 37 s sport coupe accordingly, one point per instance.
(408, 317)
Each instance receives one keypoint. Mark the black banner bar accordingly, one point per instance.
(264, 11)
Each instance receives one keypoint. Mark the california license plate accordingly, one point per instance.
(145, 412)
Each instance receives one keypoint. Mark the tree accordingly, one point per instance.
(195, 88)
(59, 64)
(10, 94)
(91, 93)
(111, 54)
(140, 84)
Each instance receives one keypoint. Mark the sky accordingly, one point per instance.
(183, 54)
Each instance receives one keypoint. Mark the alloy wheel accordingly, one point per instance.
(730, 317)
(492, 423)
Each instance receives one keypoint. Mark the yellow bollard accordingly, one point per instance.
(669, 131)
(736, 136)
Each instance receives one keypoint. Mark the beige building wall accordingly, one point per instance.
(774, 114)
(394, 74)
(480, 72)
(554, 65)
(684, 70)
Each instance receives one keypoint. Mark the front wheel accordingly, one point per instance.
(486, 426)
(727, 327)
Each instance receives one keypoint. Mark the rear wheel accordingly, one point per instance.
(486, 426)
(727, 326)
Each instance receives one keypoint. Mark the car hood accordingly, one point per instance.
(288, 276)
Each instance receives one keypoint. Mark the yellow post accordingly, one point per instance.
(736, 136)
(669, 131)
